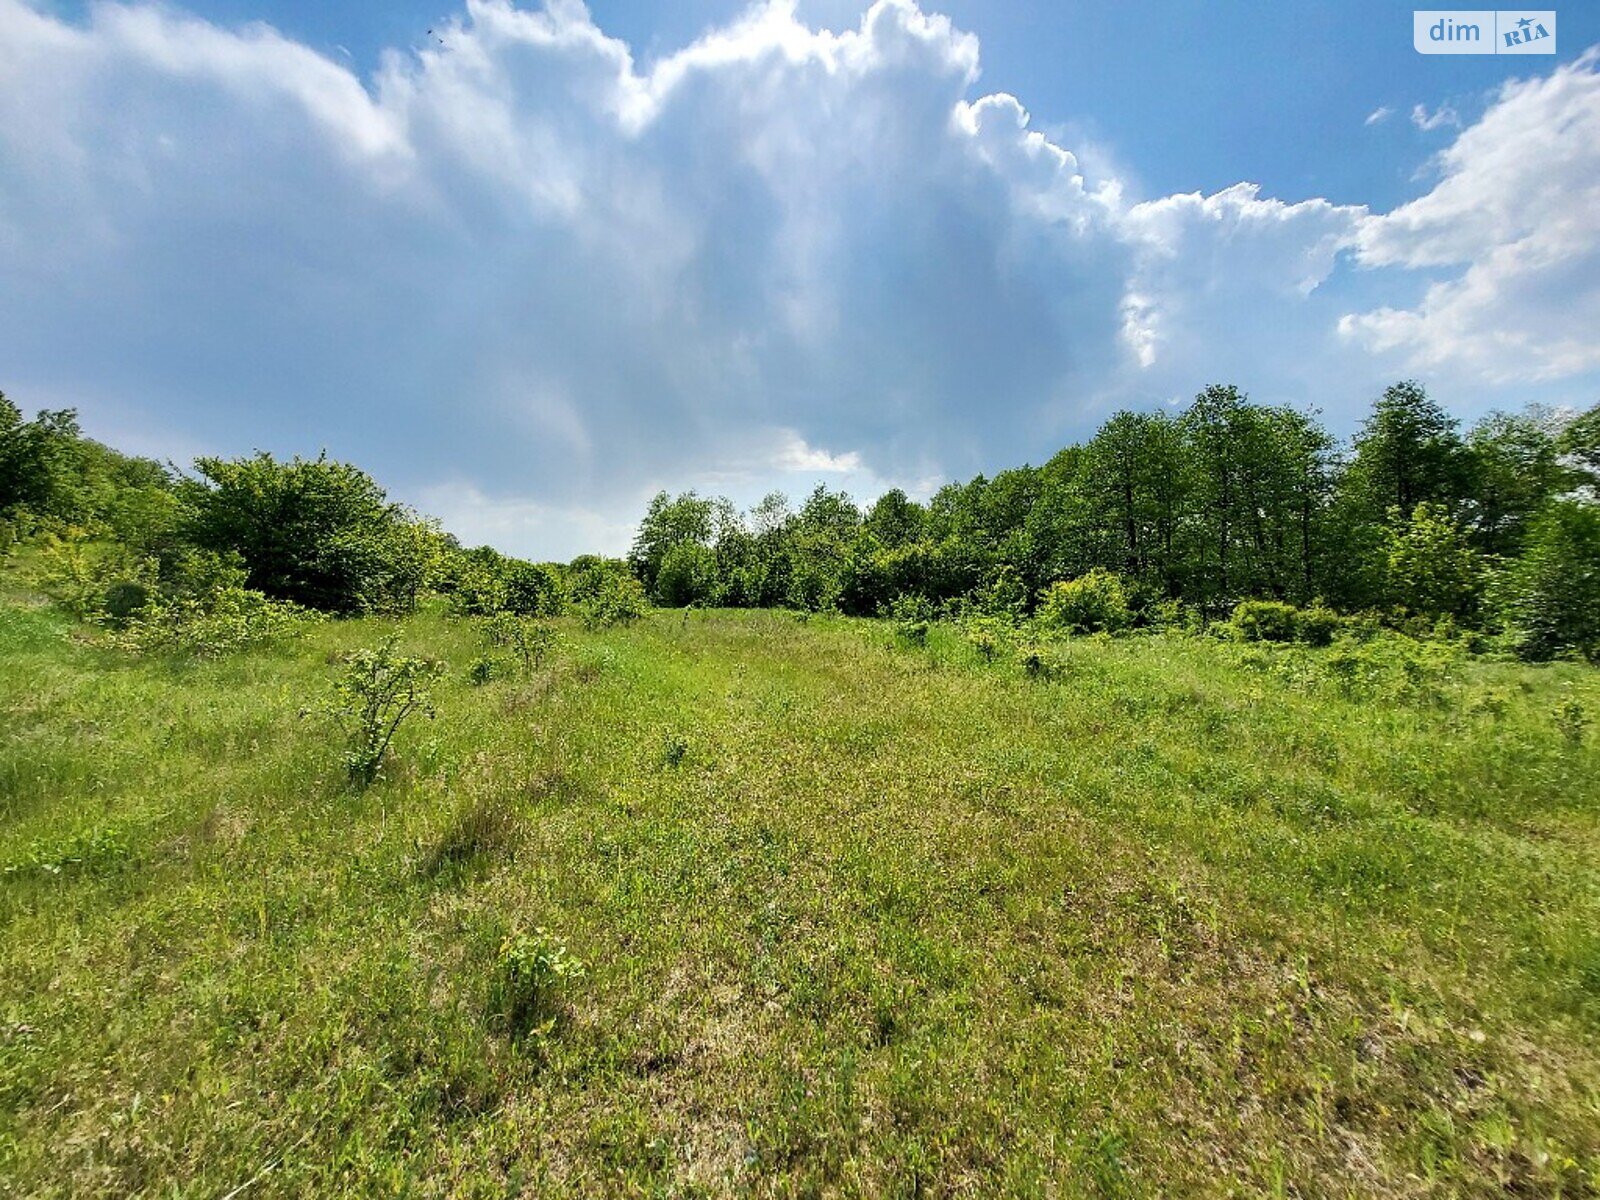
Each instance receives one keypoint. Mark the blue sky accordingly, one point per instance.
(566, 256)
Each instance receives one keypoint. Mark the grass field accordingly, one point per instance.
(859, 919)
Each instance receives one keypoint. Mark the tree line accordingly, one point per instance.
(1225, 502)
(1185, 514)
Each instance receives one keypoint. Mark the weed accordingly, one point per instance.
(532, 971)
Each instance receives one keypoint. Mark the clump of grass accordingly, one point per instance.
(674, 748)
(480, 828)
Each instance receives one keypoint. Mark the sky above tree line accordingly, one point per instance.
(535, 264)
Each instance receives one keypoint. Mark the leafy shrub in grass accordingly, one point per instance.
(533, 590)
(988, 637)
(1276, 621)
(1317, 625)
(912, 615)
(376, 694)
(123, 599)
(618, 600)
(528, 639)
(229, 620)
(484, 668)
(1264, 621)
(1093, 603)
(531, 972)
(78, 573)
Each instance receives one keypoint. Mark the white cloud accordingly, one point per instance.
(795, 455)
(1516, 216)
(520, 277)
(1439, 118)
(1382, 113)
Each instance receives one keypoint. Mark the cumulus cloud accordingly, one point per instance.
(1515, 219)
(526, 281)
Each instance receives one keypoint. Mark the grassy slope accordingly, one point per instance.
(897, 922)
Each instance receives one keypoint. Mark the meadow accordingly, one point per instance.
(842, 914)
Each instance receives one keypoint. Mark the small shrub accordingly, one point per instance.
(525, 637)
(619, 599)
(1035, 662)
(123, 599)
(530, 973)
(1317, 625)
(532, 590)
(377, 692)
(1093, 603)
(484, 668)
(983, 639)
(78, 574)
(1264, 621)
(229, 620)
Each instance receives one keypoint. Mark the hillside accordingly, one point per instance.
(858, 917)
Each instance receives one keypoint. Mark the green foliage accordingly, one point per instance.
(1317, 625)
(1093, 603)
(1265, 621)
(532, 589)
(80, 574)
(37, 461)
(222, 622)
(1572, 719)
(1549, 599)
(1432, 568)
(674, 748)
(605, 593)
(375, 694)
(484, 668)
(532, 974)
(529, 639)
(315, 532)
(123, 600)
(687, 575)
(1408, 453)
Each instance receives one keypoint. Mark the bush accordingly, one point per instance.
(123, 599)
(1317, 625)
(525, 637)
(532, 590)
(78, 573)
(484, 668)
(1093, 603)
(688, 575)
(375, 695)
(228, 620)
(1265, 621)
(530, 971)
(619, 599)
(1549, 599)
(319, 533)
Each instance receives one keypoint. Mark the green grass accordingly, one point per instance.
(858, 919)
